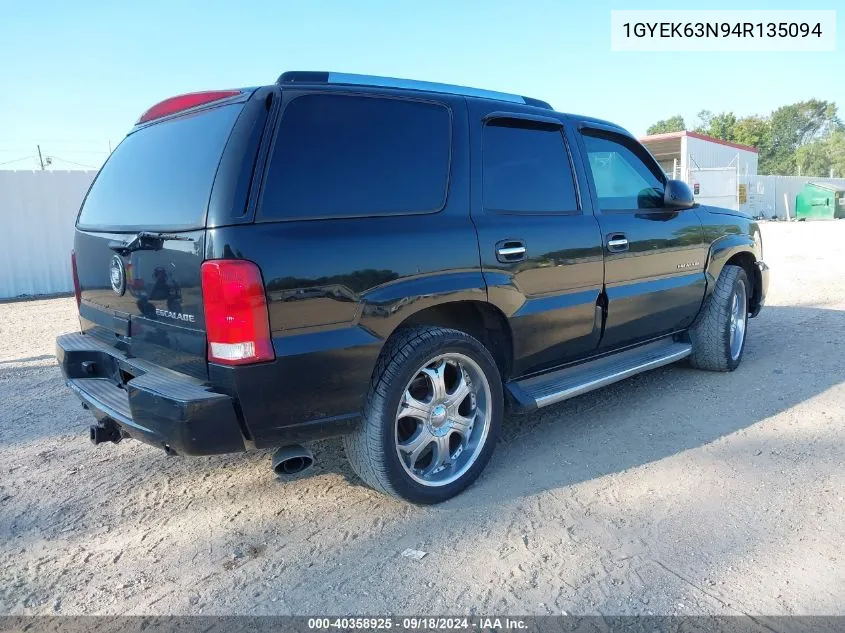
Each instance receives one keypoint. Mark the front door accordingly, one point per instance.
(654, 256)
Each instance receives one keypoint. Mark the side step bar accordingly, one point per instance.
(545, 389)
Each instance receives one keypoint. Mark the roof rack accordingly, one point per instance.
(311, 77)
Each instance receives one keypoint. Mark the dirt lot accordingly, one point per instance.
(675, 492)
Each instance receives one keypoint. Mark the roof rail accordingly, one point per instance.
(307, 76)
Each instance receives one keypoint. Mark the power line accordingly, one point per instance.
(17, 160)
(52, 141)
(101, 152)
(64, 160)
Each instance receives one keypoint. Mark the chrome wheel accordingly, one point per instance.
(443, 419)
(739, 317)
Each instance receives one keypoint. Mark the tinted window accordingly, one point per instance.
(338, 155)
(160, 177)
(526, 169)
(622, 179)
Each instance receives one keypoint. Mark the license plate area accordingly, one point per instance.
(125, 372)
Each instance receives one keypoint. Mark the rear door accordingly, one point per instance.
(654, 257)
(140, 238)
(541, 249)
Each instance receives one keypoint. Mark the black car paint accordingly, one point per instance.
(655, 286)
(166, 279)
(337, 289)
(160, 407)
(550, 298)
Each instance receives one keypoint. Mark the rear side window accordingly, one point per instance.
(622, 179)
(351, 156)
(526, 169)
(160, 177)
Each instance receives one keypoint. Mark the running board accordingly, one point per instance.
(546, 389)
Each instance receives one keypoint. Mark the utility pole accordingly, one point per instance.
(40, 158)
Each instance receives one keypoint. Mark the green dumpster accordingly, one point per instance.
(820, 201)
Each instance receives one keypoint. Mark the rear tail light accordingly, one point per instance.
(77, 291)
(184, 102)
(236, 320)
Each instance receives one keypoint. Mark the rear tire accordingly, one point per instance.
(718, 335)
(432, 416)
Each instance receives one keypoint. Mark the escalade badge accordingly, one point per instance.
(179, 316)
(117, 276)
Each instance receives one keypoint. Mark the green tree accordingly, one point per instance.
(812, 159)
(808, 134)
(719, 126)
(836, 152)
(672, 124)
(796, 125)
(754, 131)
(824, 156)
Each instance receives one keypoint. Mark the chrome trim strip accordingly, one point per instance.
(514, 250)
(597, 383)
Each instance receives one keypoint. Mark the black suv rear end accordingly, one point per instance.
(154, 310)
(236, 261)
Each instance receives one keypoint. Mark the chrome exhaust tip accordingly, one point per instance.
(292, 460)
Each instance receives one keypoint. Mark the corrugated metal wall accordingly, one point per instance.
(715, 186)
(708, 154)
(765, 193)
(37, 213)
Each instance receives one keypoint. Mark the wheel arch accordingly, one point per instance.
(480, 319)
(737, 250)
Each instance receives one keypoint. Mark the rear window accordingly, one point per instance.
(160, 177)
(351, 156)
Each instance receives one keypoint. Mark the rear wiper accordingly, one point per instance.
(144, 241)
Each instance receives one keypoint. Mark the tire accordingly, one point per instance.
(399, 444)
(718, 334)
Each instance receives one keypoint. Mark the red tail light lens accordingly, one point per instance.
(184, 102)
(77, 290)
(236, 320)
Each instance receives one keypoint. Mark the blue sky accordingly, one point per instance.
(76, 75)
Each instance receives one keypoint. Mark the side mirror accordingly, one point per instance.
(678, 195)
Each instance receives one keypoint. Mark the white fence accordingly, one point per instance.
(765, 194)
(37, 213)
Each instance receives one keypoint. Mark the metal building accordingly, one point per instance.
(710, 166)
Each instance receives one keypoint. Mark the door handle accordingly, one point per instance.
(510, 251)
(617, 243)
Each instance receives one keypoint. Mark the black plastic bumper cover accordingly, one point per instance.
(156, 405)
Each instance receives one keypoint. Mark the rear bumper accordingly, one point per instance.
(147, 402)
(763, 285)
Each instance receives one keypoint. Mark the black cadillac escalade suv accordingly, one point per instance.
(390, 261)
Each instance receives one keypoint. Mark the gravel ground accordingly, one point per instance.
(674, 492)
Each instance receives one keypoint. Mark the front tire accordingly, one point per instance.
(718, 335)
(432, 416)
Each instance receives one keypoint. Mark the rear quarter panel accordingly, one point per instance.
(336, 290)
